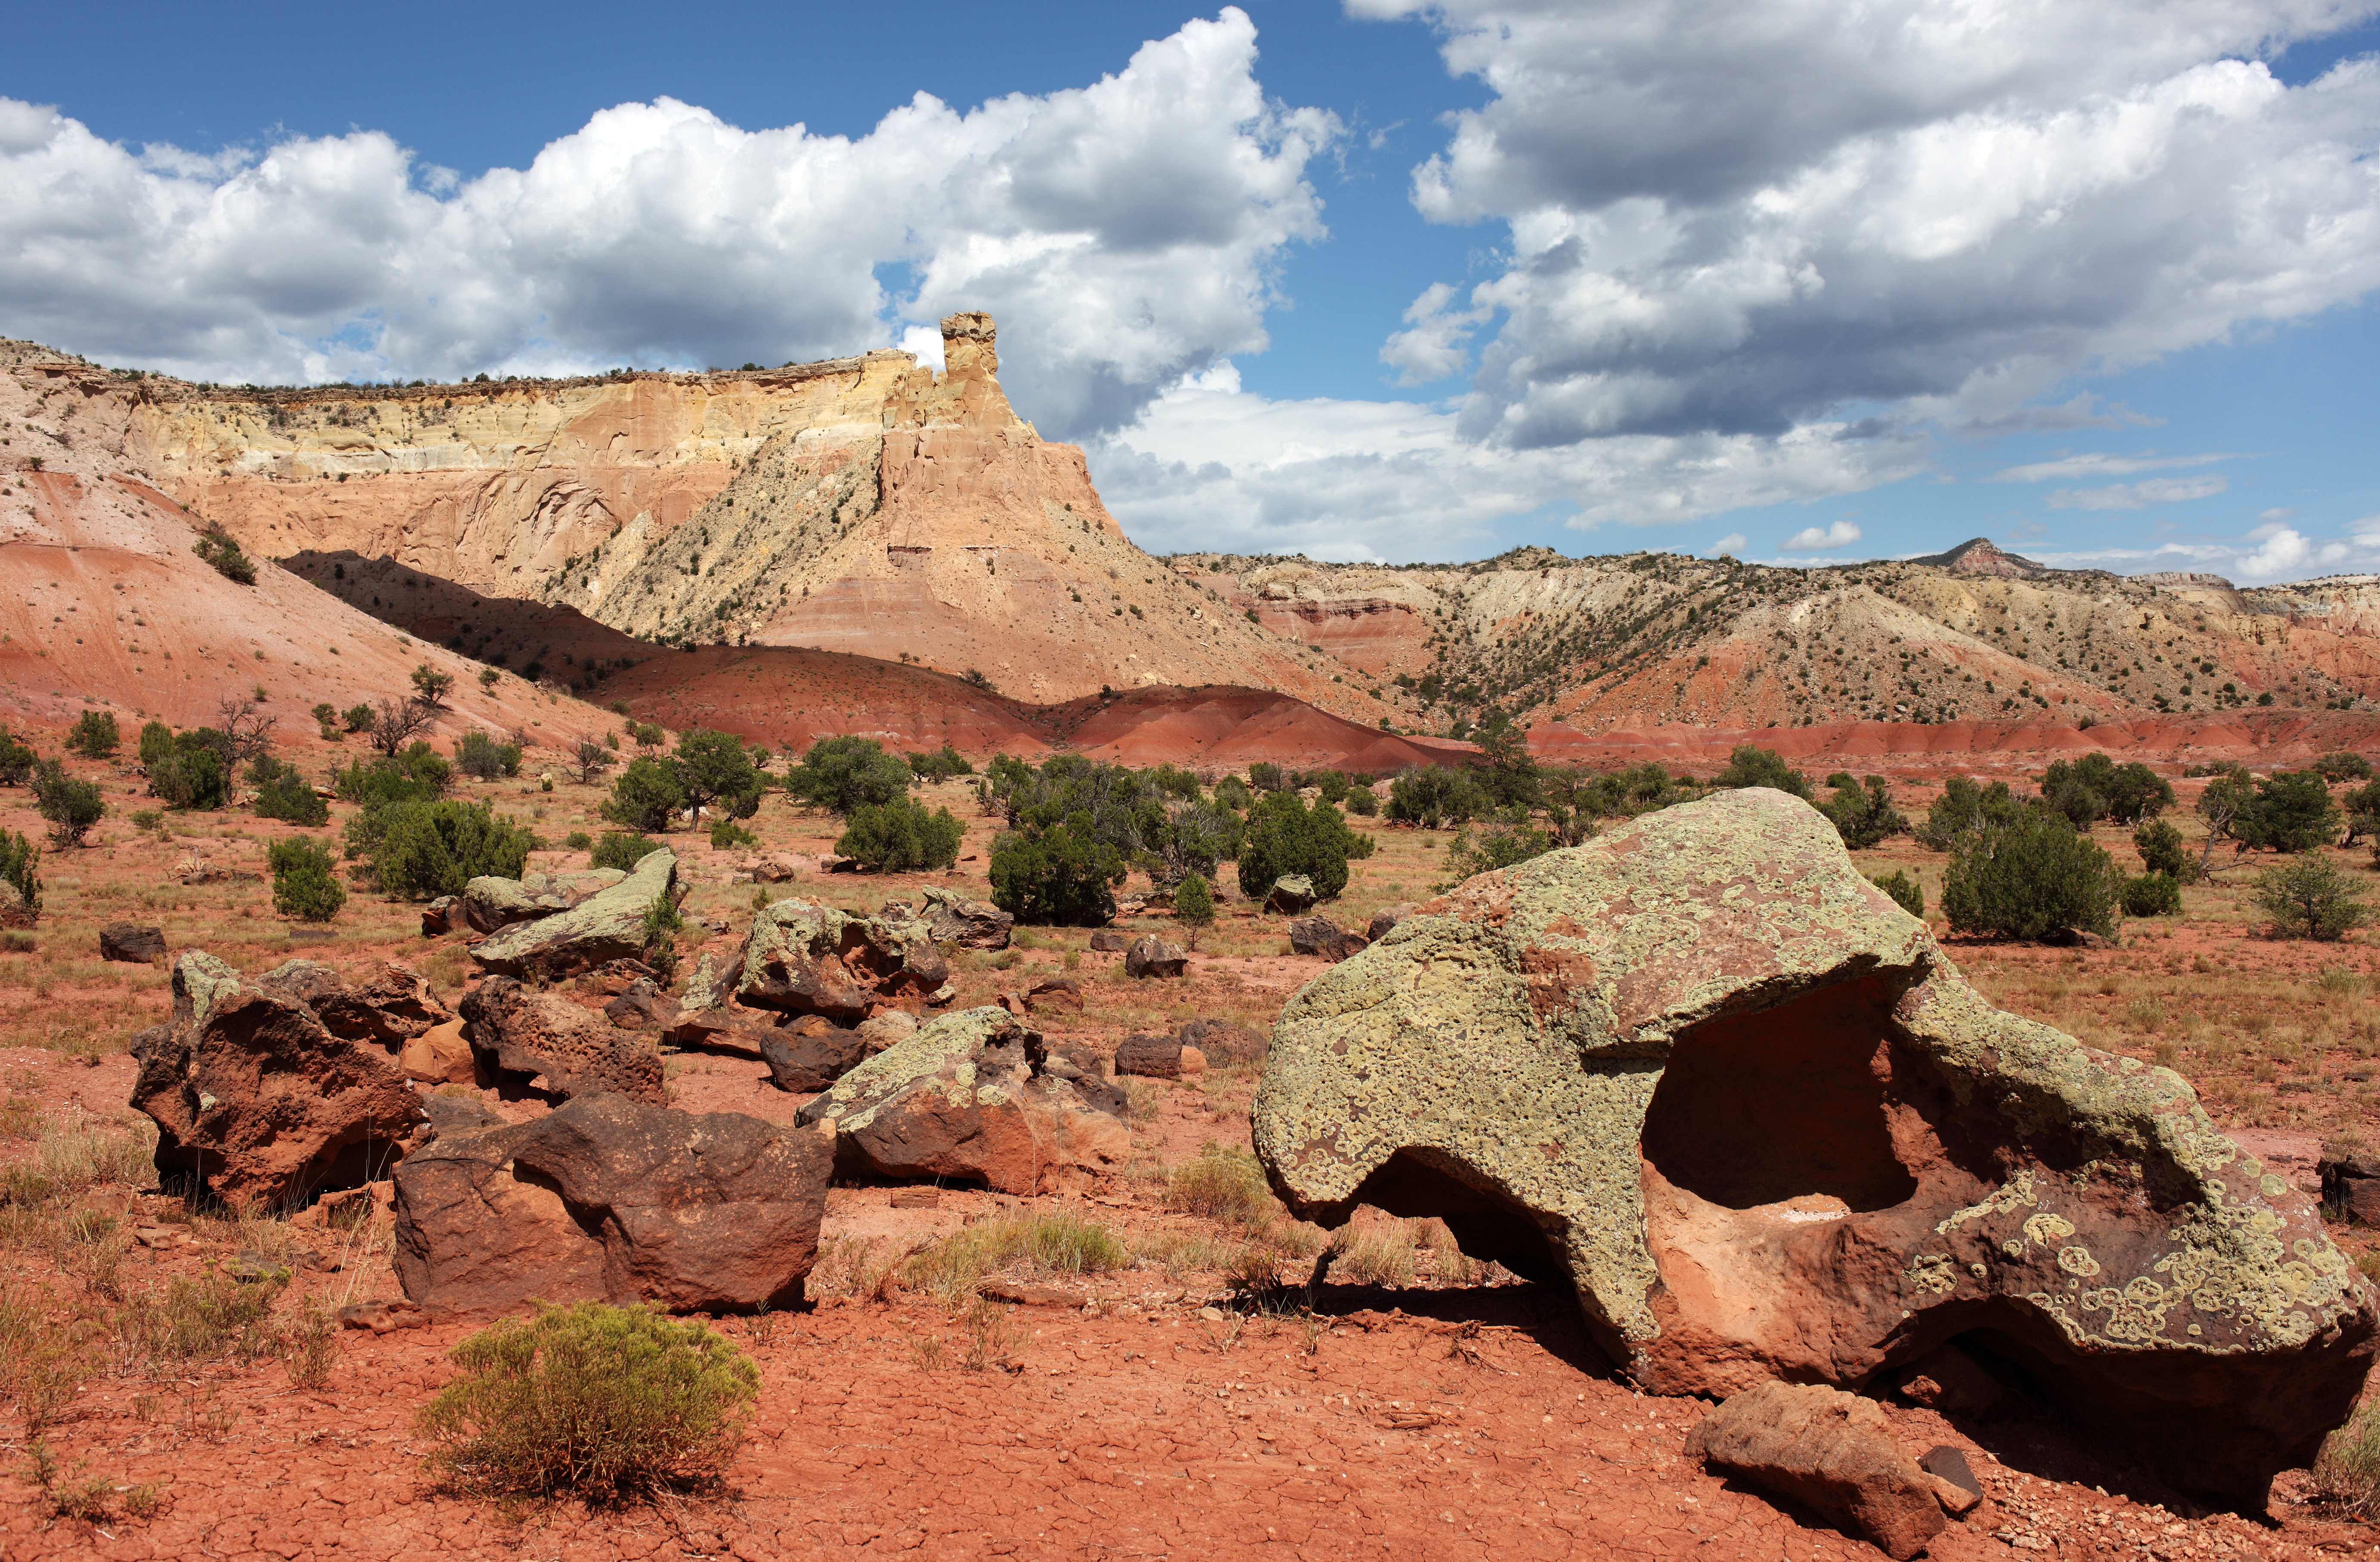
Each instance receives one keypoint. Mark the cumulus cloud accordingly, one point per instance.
(1123, 233)
(1818, 540)
(1725, 547)
(1738, 225)
(2138, 496)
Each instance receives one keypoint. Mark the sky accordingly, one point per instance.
(1802, 282)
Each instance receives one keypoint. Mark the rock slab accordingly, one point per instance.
(968, 925)
(605, 1198)
(608, 924)
(133, 945)
(1830, 1452)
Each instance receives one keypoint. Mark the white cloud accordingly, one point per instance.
(1124, 234)
(2265, 555)
(2099, 466)
(2288, 512)
(2138, 496)
(1741, 226)
(1814, 539)
(1728, 546)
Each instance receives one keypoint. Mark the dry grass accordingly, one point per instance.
(1045, 1244)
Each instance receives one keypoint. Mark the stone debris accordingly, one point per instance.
(441, 1055)
(609, 1200)
(1830, 1452)
(1792, 1138)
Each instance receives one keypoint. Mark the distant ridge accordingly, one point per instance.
(1980, 555)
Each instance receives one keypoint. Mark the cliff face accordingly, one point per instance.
(867, 505)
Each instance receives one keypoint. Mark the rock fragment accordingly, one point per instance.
(807, 959)
(1830, 1452)
(514, 1031)
(1319, 935)
(1386, 918)
(132, 944)
(1153, 957)
(1292, 895)
(440, 1055)
(968, 925)
(1222, 1042)
(1107, 940)
(811, 1053)
(1149, 1057)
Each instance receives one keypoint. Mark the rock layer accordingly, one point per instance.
(1704, 1070)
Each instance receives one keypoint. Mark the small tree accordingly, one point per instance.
(1751, 765)
(1285, 836)
(304, 886)
(247, 732)
(2031, 880)
(72, 806)
(326, 722)
(94, 735)
(588, 761)
(841, 774)
(15, 759)
(714, 767)
(283, 793)
(1906, 893)
(622, 849)
(432, 849)
(2343, 767)
(1432, 796)
(395, 724)
(647, 795)
(2311, 898)
(488, 676)
(357, 718)
(2152, 894)
(1065, 874)
(20, 868)
(216, 547)
(900, 837)
(1477, 849)
(482, 757)
(2226, 805)
(2292, 812)
(1193, 907)
(2159, 845)
(429, 685)
(1862, 812)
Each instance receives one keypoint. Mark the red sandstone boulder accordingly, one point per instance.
(1149, 1057)
(1830, 1452)
(1319, 935)
(133, 945)
(1152, 956)
(805, 959)
(605, 1198)
(388, 1008)
(514, 1031)
(1222, 1042)
(811, 1052)
(965, 924)
(258, 1102)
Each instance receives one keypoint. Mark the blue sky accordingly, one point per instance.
(1374, 281)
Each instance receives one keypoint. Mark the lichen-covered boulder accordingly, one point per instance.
(389, 1007)
(807, 959)
(1292, 895)
(970, 1097)
(524, 1033)
(1151, 956)
(1706, 1071)
(605, 1199)
(607, 925)
(258, 1102)
(968, 924)
(489, 902)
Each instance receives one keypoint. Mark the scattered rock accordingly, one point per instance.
(888, 1029)
(811, 1053)
(1949, 1381)
(1797, 1143)
(1949, 1466)
(1292, 894)
(443, 916)
(2351, 1183)
(967, 1097)
(133, 945)
(1152, 956)
(1060, 995)
(916, 1198)
(807, 959)
(776, 868)
(643, 1007)
(970, 925)
(260, 1104)
(829, 862)
(438, 1055)
(1830, 1452)
(1149, 1057)
(1386, 918)
(1192, 1062)
(522, 1033)
(1319, 935)
(381, 1318)
(608, 924)
(605, 1199)
(388, 1008)
(1107, 940)
(1222, 1042)
(451, 1116)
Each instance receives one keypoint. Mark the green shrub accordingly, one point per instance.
(426, 850)
(663, 925)
(304, 886)
(1966, 809)
(2159, 843)
(2152, 894)
(844, 773)
(715, 771)
(647, 795)
(1361, 803)
(71, 807)
(620, 849)
(2347, 1470)
(2311, 898)
(1499, 845)
(2343, 767)
(1751, 765)
(1285, 836)
(2095, 787)
(1193, 907)
(1432, 796)
(1906, 893)
(1051, 1242)
(2030, 878)
(946, 765)
(1191, 837)
(1174, 782)
(216, 547)
(282, 793)
(358, 718)
(94, 735)
(1862, 811)
(1264, 777)
(594, 1402)
(1061, 874)
(188, 769)
(578, 841)
(2293, 811)
(483, 759)
(15, 759)
(900, 837)
(1232, 792)
(726, 835)
(21, 867)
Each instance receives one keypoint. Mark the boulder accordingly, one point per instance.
(969, 924)
(489, 903)
(134, 946)
(807, 959)
(1060, 995)
(643, 1007)
(451, 1116)
(387, 1008)
(608, 924)
(1319, 935)
(1703, 1072)
(1386, 918)
(1107, 940)
(443, 916)
(438, 1055)
(1152, 956)
(1832, 1452)
(776, 868)
(1223, 1042)
(1149, 1057)
(2351, 1183)
(605, 1198)
(514, 1031)
(258, 1102)
(1292, 895)
(968, 1097)
(888, 1029)
(810, 1053)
